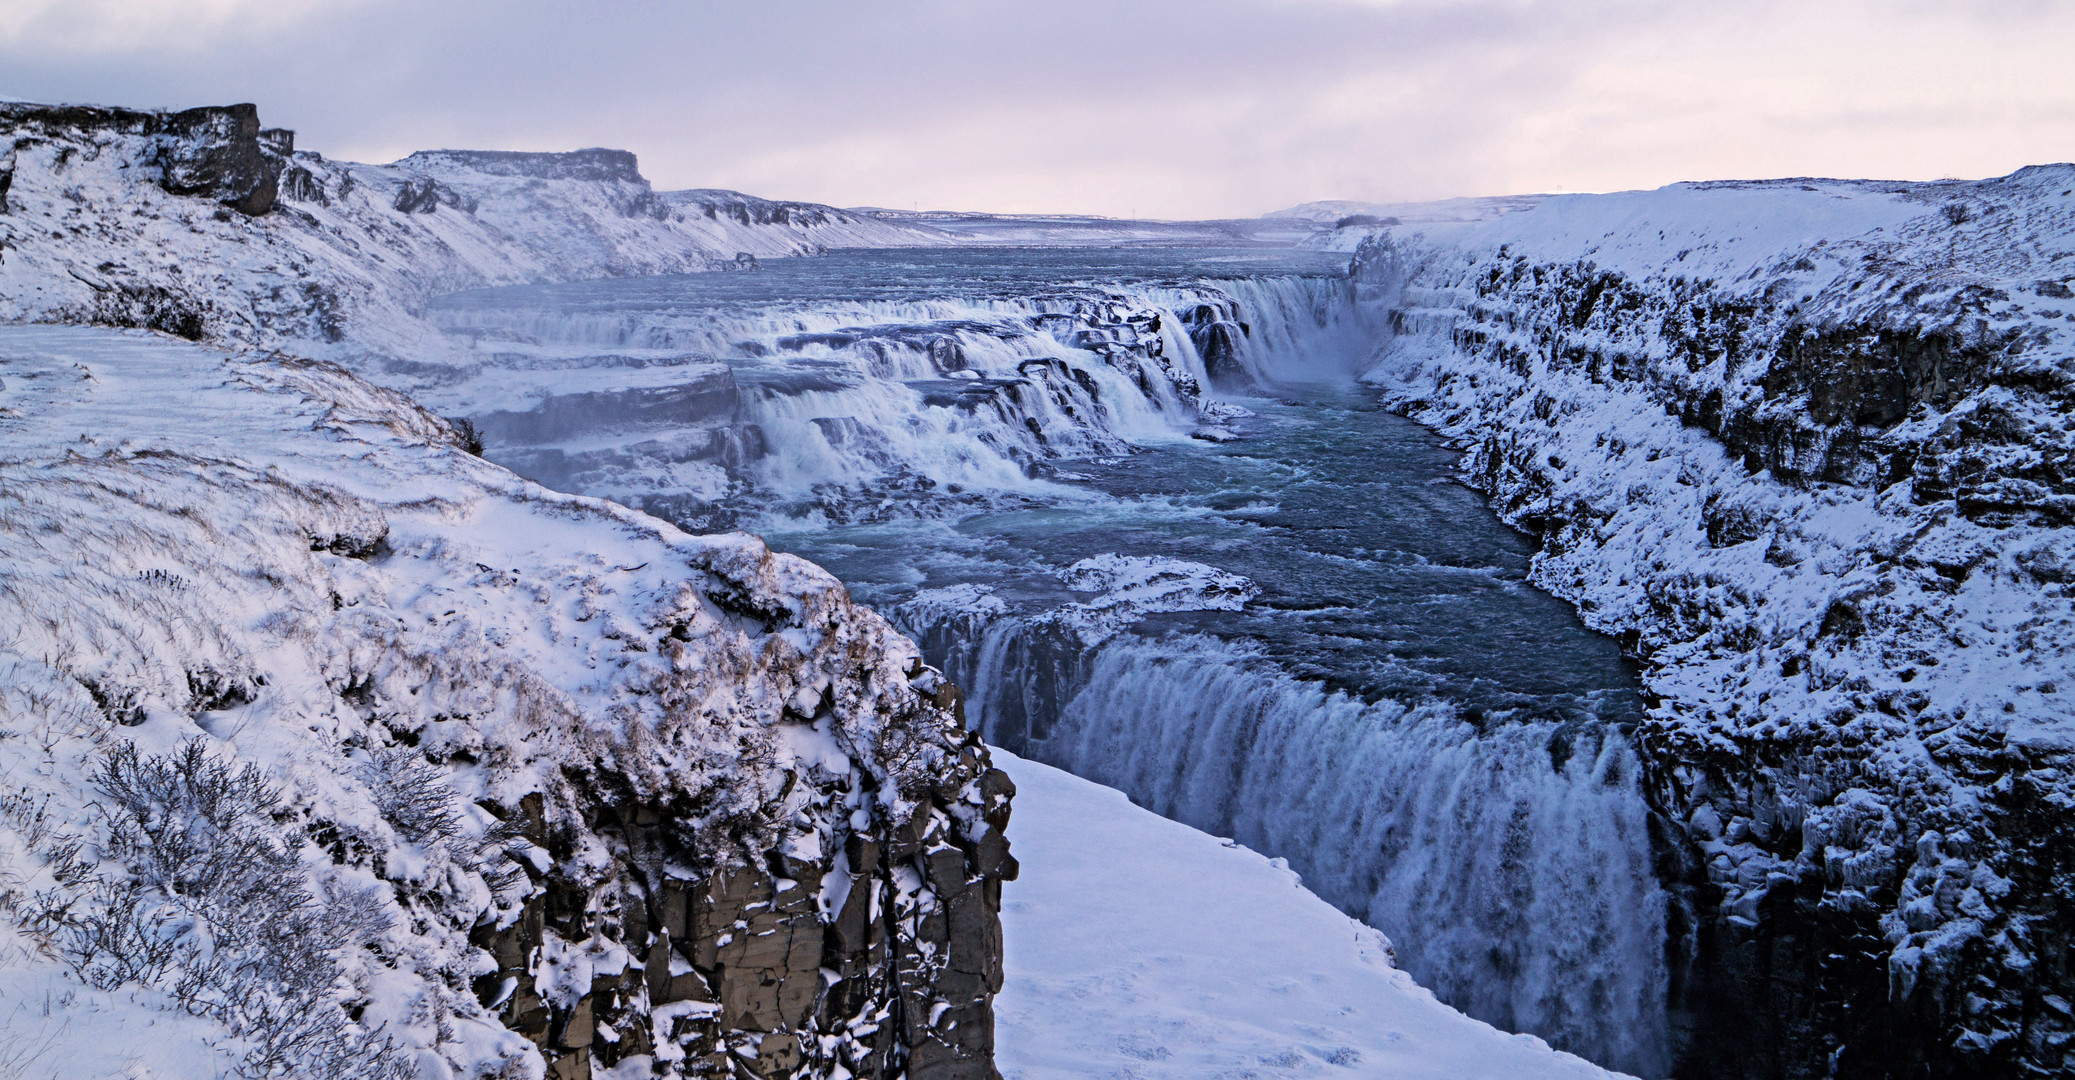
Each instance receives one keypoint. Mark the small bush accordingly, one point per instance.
(417, 802)
(413, 797)
(217, 915)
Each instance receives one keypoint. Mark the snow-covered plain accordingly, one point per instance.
(1140, 948)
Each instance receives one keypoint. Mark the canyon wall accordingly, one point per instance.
(1803, 447)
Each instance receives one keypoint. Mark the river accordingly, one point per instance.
(1134, 503)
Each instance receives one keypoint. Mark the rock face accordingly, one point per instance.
(572, 789)
(879, 959)
(1219, 335)
(596, 164)
(217, 153)
(1803, 447)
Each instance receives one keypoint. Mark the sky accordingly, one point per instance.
(1158, 108)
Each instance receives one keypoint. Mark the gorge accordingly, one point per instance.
(1742, 757)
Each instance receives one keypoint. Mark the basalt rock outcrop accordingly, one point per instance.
(878, 959)
(1219, 335)
(1817, 479)
(217, 153)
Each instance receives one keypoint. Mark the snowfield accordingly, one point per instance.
(1139, 947)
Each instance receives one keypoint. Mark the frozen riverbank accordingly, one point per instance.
(1139, 947)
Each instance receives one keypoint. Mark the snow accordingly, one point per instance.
(1138, 947)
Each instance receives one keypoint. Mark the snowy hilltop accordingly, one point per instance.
(204, 224)
(1803, 446)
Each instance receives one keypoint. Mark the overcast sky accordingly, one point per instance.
(1170, 108)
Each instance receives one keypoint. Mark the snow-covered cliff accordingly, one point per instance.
(205, 225)
(1804, 446)
(327, 748)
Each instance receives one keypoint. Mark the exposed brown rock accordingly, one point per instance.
(881, 957)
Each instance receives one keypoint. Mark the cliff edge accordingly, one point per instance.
(1803, 447)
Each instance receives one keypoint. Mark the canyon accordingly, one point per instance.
(1723, 740)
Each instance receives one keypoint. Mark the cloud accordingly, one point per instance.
(91, 28)
(1217, 107)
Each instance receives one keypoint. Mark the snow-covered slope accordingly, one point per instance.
(327, 748)
(1232, 968)
(1805, 447)
(1348, 214)
(1088, 230)
(203, 224)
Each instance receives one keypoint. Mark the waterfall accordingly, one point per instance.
(1508, 859)
(1504, 851)
(941, 394)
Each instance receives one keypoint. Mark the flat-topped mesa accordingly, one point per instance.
(217, 152)
(594, 163)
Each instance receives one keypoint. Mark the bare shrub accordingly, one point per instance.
(188, 825)
(121, 937)
(217, 915)
(413, 797)
(419, 804)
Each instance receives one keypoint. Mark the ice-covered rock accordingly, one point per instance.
(1804, 447)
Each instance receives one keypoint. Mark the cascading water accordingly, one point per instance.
(1301, 634)
(1508, 858)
